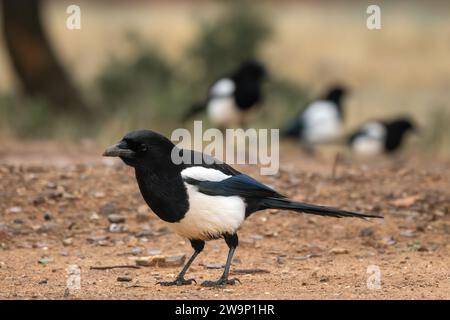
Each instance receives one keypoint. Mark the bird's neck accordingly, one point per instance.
(338, 103)
(164, 192)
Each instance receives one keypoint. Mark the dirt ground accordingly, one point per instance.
(55, 201)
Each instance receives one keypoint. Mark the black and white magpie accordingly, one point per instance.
(203, 201)
(321, 121)
(376, 137)
(231, 97)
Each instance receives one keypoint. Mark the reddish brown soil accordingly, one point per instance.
(305, 256)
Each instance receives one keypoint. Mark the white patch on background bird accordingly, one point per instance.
(321, 122)
(221, 108)
(204, 174)
(367, 146)
(223, 88)
(375, 130)
(371, 141)
(210, 216)
(223, 111)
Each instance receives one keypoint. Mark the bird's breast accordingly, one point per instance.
(210, 217)
(165, 195)
(321, 122)
(367, 146)
(223, 111)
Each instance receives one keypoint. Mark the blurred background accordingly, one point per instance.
(140, 64)
(67, 94)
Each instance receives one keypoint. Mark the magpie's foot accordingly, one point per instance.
(177, 282)
(220, 283)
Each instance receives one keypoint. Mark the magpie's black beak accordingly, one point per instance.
(119, 150)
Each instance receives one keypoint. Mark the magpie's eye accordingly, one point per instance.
(143, 147)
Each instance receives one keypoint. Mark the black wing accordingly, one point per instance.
(240, 185)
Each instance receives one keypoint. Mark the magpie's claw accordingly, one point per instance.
(221, 282)
(177, 282)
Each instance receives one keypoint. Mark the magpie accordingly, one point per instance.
(231, 97)
(320, 121)
(204, 201)
(376, 137)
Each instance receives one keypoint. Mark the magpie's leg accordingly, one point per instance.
(243, 124)
(223, 130)
(198, 246)
(232, 242)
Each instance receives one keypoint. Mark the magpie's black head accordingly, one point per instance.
(335, 94)
(143, 149)
(251, 70)
(402, 125)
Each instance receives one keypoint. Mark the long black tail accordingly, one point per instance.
(286, 204)
(195, 108)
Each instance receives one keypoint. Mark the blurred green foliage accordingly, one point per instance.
(235, 36)
(119, 80)
(147, 90)
(27, 117)
(144, 91)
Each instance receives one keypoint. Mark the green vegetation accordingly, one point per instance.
(148, 90)
(222, 44)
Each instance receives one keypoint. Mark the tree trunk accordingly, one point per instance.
(33, 58)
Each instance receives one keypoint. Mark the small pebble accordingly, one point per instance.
(116, 218)
(107, 209)
(94, 216)
(116, 227)
(124, 279)
(366, 232)
(408, 234)
(67, 242)
(339, 251)
(15, 210)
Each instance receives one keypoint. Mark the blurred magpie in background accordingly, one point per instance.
(232, 97)
(377, 137)
(204, 201)
(321, 121)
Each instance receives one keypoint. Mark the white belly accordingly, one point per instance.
(372, 141)
(210, 216)
(223, 112)
(322, 123)
(367, 146)
(328, 130)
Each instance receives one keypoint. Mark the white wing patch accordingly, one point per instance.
(223, 88)
(204, 174)
(210, 216)
(322, 122)
(372, 140)
(375, 130)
